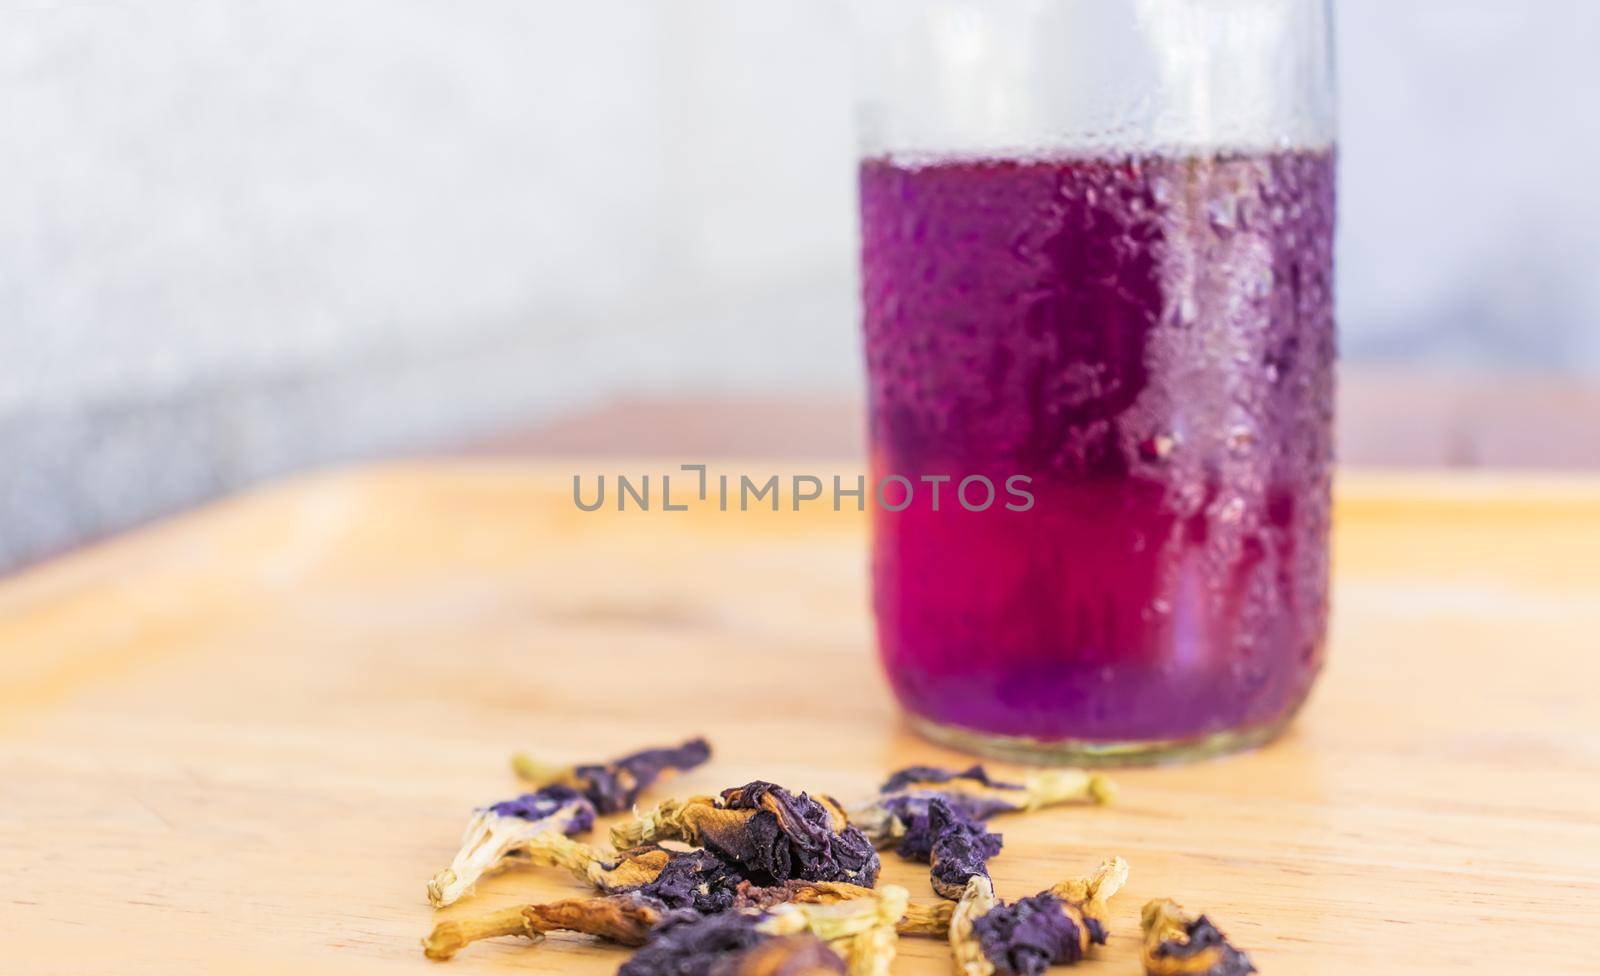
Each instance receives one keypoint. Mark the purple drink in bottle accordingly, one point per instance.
(1150, 342)
(1130, 319)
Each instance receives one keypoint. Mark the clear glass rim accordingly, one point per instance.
(1010, 78)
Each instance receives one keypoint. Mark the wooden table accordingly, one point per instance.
(242, 740)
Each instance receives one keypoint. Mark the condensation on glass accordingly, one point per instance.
(1097, 256)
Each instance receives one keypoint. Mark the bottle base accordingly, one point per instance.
(1083, 752)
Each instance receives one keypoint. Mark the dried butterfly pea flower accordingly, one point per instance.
(860, 933)
(774, 835)
(683, 889)
(794, 836)
(696, 879)
(901, 804)
(1025, 938)
(863, 931)
(1032, 934)
(606, 870)
(977, 901)
(733, 945)
(641, 888)
(614, 786)
(668, 820)
(959, 849)
(1179, 944)
(630, 920)
(552, 849)
(802, 954)
(499, 832)
(626, 919)
(930, 919)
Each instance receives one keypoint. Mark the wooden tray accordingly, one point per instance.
(242, 740)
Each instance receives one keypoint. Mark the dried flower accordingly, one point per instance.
(922, 919)
(642, 888)
(733, 945)
(774, 835)
(552, 849)
(868, 940)
(626, 919)
(499, 832)
(959, 848)
(861, 933)
(901, 804)
(1025, 938)
(1179, 944)
(685, 889)
(977, 901)
(614, 786)
(696, 879)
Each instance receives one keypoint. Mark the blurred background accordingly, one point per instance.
(239, 239)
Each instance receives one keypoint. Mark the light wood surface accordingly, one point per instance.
(241, 741)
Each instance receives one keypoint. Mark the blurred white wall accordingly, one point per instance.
(238, 238)
(1469, 208)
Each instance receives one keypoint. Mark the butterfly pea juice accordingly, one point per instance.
(1149, 340)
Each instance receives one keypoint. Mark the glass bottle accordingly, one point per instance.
(1097, 277)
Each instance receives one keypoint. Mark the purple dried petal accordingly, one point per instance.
(728, 945)
(697, 880)
(613, 787)
(548, 801)
(1030, 935)
(903, 778)
(916, 785)
(793, 836)
(958, 850)
(802, 954)
(1204, 937)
